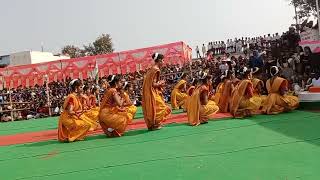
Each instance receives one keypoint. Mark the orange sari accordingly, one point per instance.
(178, 98)
(154, 109)
(113, 119)
(91, 114)
(241, 103)
(198, 113)
(132, 109)
(93, 103)
(222, 97)
(257, 97)
(189, 94)
(72, 127)
(276, 103)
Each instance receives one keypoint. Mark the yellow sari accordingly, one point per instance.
(155, 110)
(189, 94)
(198, 113)
(257, 98)
(241, 104)
(178, 98)
(94, 108)
(113, 119)
(72, 127)
(132, 109)
(91, 114)
(222, 97)
(275, 103)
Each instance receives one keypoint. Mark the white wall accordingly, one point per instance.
(20, 58)
(40, 57)
(33, 57)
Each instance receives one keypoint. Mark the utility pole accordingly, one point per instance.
(296, 16)
(41, 46)
(317, 4)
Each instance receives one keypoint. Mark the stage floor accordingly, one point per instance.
(284, 146)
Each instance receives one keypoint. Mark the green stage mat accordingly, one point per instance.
(43, 124)
(281, 147)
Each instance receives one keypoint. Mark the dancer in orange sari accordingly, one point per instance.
(277, 100)
(258, 86)
(155, 110)
(200, 108)
(241, 104)
(71, 125)
(127, 103)
(113, 118)
(190, 90)
(224, 92)
(93, 102)
(91, 114)
(178, 95)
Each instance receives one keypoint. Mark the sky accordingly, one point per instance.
(132, 24)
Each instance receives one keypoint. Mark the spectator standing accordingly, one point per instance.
(239, 46)
(204, 51)
(210, 46)
(198, 52)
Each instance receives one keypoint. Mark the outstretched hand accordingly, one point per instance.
(162, 83)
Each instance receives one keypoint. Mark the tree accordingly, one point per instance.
(103, 44)
(305, 8)
(90, 50)
(71, 50)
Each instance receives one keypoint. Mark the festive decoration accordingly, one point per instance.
(122, 62)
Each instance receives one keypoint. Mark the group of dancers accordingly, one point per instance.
(240, 96)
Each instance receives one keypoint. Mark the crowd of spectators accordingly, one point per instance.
(298, 66)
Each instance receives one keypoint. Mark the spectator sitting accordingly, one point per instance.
(224, 66)
(314, 81)
(256, 60)
(287, 71)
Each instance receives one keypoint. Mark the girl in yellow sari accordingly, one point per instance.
(241, 104)
(71, 125)
(189, 92)
(258, 85)
(224, 91)
(277, 100)
(92, 115)
(127, 103)
(200, 108)
(155, 111)
(178, 95)
(113, 118)
(93, 103)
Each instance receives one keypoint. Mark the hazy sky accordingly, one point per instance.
(25, 24)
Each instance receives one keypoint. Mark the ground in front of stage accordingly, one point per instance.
(283, 146)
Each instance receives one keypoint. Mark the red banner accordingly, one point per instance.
(115, 63)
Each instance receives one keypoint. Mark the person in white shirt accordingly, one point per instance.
(268, 38)
(204, 51)
(239, 46)
(224, 66)
(313, 81)
(210, 46)
(198, 52)
(228, 45)
(231, 46)
(277, 36)
(223, 47)
(259, 41)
